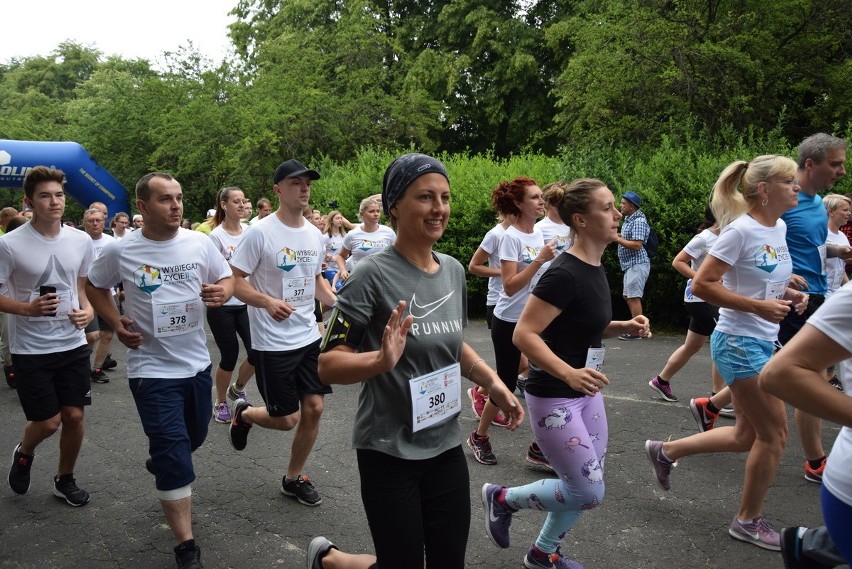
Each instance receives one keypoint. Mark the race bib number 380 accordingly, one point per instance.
(176, 318)
(435, 396)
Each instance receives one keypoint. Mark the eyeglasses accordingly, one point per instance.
(792, 182)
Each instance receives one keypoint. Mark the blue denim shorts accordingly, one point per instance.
(634, 280)
(739, 357)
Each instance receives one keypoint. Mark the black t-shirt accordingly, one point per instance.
(581, 291)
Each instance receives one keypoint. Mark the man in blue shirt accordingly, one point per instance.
(632, 256)
(821, 162)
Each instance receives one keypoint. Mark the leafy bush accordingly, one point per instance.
(674, 179)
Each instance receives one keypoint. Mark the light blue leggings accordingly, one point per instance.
(573, 435)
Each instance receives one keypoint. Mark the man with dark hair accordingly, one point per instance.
(283, 255)
(169, 277)
(44, 266)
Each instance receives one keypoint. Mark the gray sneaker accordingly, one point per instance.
(662, 468)
(317, 549)
(758, 532)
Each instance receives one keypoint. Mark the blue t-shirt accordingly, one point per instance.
(807, 228)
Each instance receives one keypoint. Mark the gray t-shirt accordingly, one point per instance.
(438, 303)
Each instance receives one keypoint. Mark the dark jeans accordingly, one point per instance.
(175, 414)
(417, 508)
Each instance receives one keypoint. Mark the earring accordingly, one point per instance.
(764, 202)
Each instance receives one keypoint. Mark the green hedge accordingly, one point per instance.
(674, 180)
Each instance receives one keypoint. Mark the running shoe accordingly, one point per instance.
(703, 416)
(234, 394)
(477, 400)
(791, 550)
(758, 532)
(239, 429)
(662, 467)
(498, 518)
(65, 488)
(522, 386)
(728, 411)
(535, 456)
(481, 448)
(836, 383)
(109, 363)
(317, 549)
(19, 474)
(221, 413)
(664, 390)
(302, 489)
(630, 337)
(500, 420)
(535, 559)
(98, 376)
(815, 474)
(188, 555)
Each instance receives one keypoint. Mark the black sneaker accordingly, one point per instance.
(98, 376)
(238, 431)
(481, 447)
(188, 555)
(9, 371)
(109, 363)
(835, 383)
(535, 456)
(301, 489)
(19, 474)
(65, 487)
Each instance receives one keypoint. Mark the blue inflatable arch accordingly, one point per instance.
(88, 181)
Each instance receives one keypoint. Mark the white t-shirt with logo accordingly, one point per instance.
(835, 267)
(760, 268)
(361, 243)
(832, 319)
(227, 245)
(697, 248)
(557, 232)
(29, 260)
(99, 244)
(491, 245)
(332, 245)
(162, 287)
(521, 248)
(283, 262)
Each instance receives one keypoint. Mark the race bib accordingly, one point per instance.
(775, 290)
(62, 311)
(435, 396)
(595, 358)
(176, 318)
(299, 291)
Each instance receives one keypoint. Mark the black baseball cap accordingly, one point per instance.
(292, 168)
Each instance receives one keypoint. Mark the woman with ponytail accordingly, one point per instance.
(747, 275)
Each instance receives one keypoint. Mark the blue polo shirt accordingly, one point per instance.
(807, 229)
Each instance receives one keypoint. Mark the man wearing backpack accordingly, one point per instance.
(632, 256)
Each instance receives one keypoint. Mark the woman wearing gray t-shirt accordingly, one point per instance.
(397, 329)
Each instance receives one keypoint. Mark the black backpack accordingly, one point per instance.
(652, 243)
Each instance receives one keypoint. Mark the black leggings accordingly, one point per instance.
(506, 354)
(226, 322)
(417, 508)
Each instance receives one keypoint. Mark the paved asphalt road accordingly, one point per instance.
(241, 519)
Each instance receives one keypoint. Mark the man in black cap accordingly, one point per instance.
(632, 256)
(283, 254)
